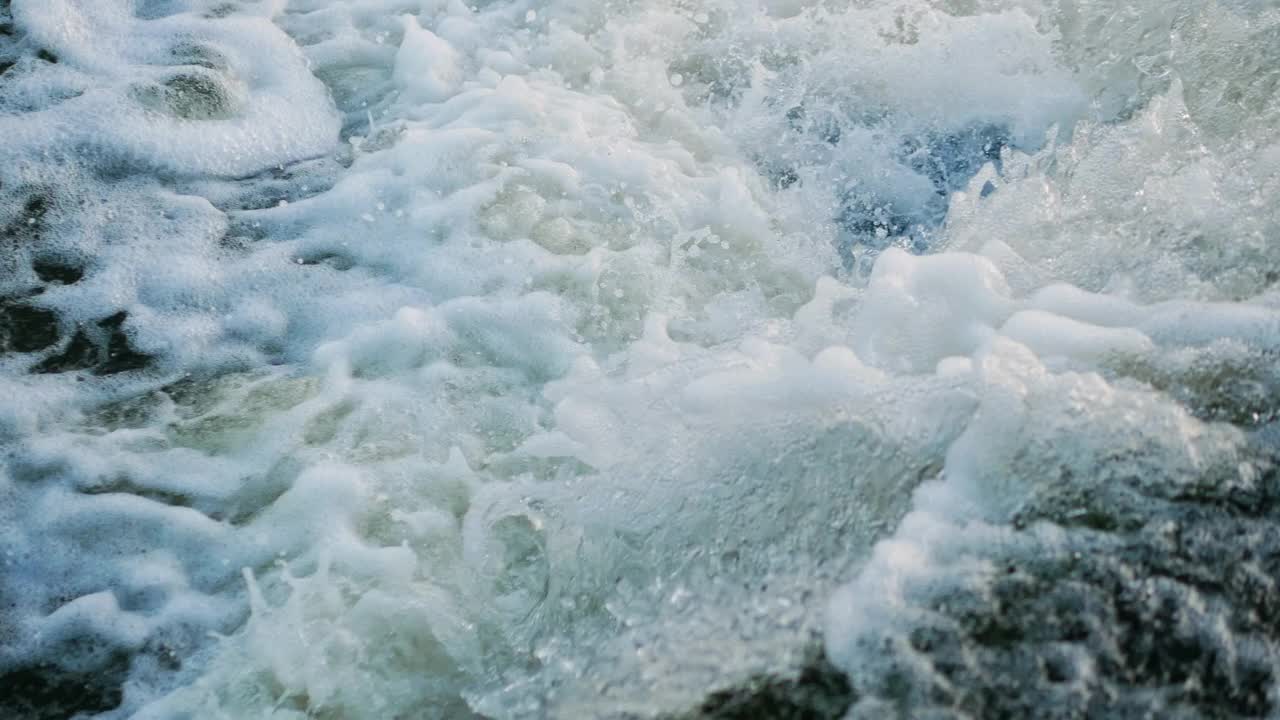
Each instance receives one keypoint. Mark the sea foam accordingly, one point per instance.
(374, 358)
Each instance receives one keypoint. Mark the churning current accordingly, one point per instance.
(658, 359)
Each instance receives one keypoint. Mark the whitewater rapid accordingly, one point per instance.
(573, 358)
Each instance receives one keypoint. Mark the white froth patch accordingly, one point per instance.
(919, 310)
(283, 116)
(427, 68)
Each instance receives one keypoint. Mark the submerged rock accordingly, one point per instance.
(194, 95)
(26, 328)
(817, 690)
(1225, 381)
(48, 693)
(80, 353)
(53, 270)
(103, 347)
(1144, 606)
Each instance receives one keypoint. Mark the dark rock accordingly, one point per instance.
(26, 328)
(49, 693)
(1156, 604)
(79, 354)
(31, 219)
(816, 691)
(120, 355)
(1241, 386)
(102, 347)
(191, 53)
(194, 95)
(53, 270)
(23, 217)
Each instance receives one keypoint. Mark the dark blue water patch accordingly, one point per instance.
(825, 126)
(869, 222)
(950, 160)
(867, 219)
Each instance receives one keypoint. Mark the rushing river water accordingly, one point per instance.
(620, 358)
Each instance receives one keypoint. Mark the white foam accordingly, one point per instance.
(282, 114)
(553, 357)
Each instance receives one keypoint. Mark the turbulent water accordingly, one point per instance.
(639, 358)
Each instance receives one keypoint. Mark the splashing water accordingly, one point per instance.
(564, 358)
